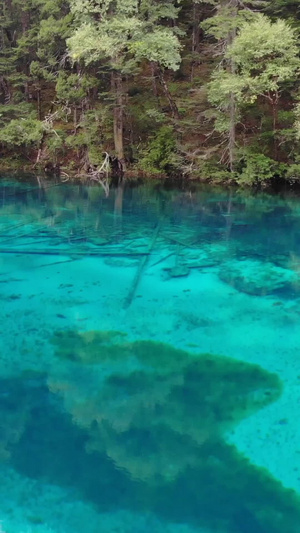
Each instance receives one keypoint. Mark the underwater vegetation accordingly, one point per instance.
(89, 346)
(150, 435)
(161, 417)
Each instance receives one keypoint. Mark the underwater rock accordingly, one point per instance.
(178, 271)
(208, 255)
(257, 277)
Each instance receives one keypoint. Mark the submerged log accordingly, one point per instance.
(130, 296)
(83, 253)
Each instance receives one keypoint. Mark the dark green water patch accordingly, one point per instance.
(151, 464)
(200, 396)
(89, 347)
(195, 395)
(150, 439)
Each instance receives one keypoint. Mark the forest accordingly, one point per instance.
(205, 90)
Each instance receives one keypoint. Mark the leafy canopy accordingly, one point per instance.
(265, 55)
(125, 30)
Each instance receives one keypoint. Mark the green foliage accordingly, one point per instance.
(161, 46)
(22, 132)
(72, 88)
(155, 115)
(53, 32)
(18, 109)
(259, 59)
(265, 55)
(257, 170)
(293, 173)
(56, 144)
(297, 121)
(161, 153)
(125, 31)
(211, 172)
(92, 136)
(226, 20)
(73, 58)
(286, 118)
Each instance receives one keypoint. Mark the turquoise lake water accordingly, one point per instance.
(149, 361)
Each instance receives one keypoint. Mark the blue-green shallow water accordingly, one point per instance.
(149, 362)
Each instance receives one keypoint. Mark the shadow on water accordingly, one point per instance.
(151, 439)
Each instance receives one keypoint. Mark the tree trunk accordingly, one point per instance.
(153, 78)
(5, 90)
(8, 4)
(195, 37)
(165, 88)
(117, 89)
(25, 20)
(232, 132)
(275, 99)
(232, 5)
(75, 119)
(39, 102)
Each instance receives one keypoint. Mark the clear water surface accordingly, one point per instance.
(149, 361)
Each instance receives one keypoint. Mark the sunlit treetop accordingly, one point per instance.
(124, 31)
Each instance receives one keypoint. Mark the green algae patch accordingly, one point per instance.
(164, 424)
(89, 347)
(219, 391)
(226, 492)
(211, 393)
(194, 405)
(233, 387)
(158, 432)
(170, 392)
(92, 347)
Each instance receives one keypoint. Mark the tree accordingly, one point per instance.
(265, 55)
(230, 16)
(124, 34)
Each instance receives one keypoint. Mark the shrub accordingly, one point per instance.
(161, 153)
(257, 169)
(22, 132)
